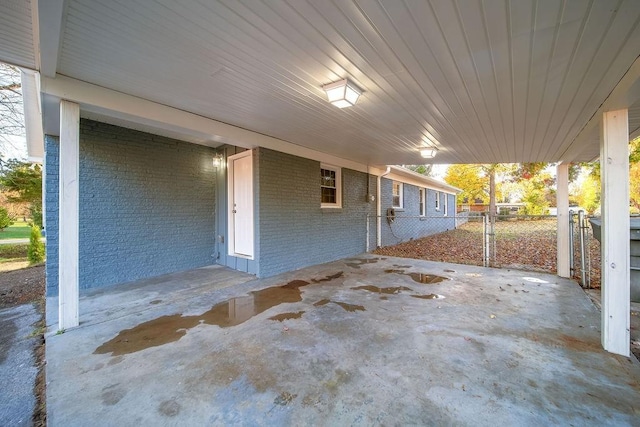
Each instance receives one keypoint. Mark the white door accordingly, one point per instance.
(241, 204)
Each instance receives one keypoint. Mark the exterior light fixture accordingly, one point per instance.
(342, 93)
(217, 160)
(428, 152)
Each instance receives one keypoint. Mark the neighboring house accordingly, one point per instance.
(151, 205)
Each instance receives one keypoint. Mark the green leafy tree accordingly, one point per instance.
(22, 182)
(5, 219)
(36, 251)
(421, 169)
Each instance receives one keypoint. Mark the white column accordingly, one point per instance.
(562, 203)
(68, 215)
(614, 165)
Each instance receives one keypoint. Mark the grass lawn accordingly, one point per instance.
(19, 230)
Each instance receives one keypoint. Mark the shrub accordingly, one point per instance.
(5, 219)
(35, 254)
(35, 211)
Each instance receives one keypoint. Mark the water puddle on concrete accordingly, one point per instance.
(394, 291)
(377, 290)
(346, 306)
(232, 312)
(287, 316)
(357, 262)
(428, 296)
(428, 279)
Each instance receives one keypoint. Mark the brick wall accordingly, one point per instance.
(146, 205)
(294, 231)
(408, 225)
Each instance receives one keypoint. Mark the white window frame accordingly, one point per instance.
(437, 205)
(400, 185)
(422, 200)
(446, 205)
(338, 172)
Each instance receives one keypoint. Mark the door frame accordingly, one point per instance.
(230, 197)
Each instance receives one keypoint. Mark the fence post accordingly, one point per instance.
(572, 262)
(583, 273)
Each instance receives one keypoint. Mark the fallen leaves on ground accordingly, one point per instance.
(525, 245)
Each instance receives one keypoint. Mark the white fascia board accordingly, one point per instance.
(140, 110)
(624, 95)
(410, 177)
(32, 115)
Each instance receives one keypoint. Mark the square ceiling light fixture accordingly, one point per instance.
(342, 93)
(428, 152)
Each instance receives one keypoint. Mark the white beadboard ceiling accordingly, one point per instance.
(485, 81)
(16, 36)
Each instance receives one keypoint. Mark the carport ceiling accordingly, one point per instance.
(485, 81)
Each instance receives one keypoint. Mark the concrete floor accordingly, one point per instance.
(360, 341)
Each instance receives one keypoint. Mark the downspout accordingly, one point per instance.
(379, 208)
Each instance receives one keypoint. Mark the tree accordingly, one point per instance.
(421, 169)
(11, 110)
(22, 182)
(471, 180)
(36, 251)
(5, 219)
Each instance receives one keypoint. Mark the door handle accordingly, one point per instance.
(234, 211)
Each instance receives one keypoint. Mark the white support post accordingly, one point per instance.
(562, 198)
(614, 165)
(68, 233)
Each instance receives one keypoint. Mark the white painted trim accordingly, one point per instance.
(231, 251)
(338, 171)
(400, 195)
(68, 233)
(562, 191)
(422, 200)
(51, 21)
(418, 180)
(32, 114)
(445, 208)
(614, 165)
(106, 101)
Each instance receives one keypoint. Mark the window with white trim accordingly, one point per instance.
(446, 204)
(437, 205)
(423, 201)
(397, 201)
(330, 186)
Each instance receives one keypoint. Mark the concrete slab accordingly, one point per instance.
(362, 341)
(17, 365)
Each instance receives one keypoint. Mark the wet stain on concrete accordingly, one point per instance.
(112, 394)
(284, 398)
(155, 302)
(232, 312)
(169, 408)
(384, 298)
(401, 266)
(449, 271)
(115, 360)
(423, 278)
(389, 291)
(346, 306)
(287, 316)
(428, 296)
(357, 262)
(328, 278)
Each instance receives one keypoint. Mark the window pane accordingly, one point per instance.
(396, 200)
(328, 195)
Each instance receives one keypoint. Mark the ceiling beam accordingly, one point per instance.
(50, 21)
(623, 96)
(107, 102)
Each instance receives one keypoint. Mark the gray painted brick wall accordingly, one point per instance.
(146, 205)
(294, 231)
(408, 225)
